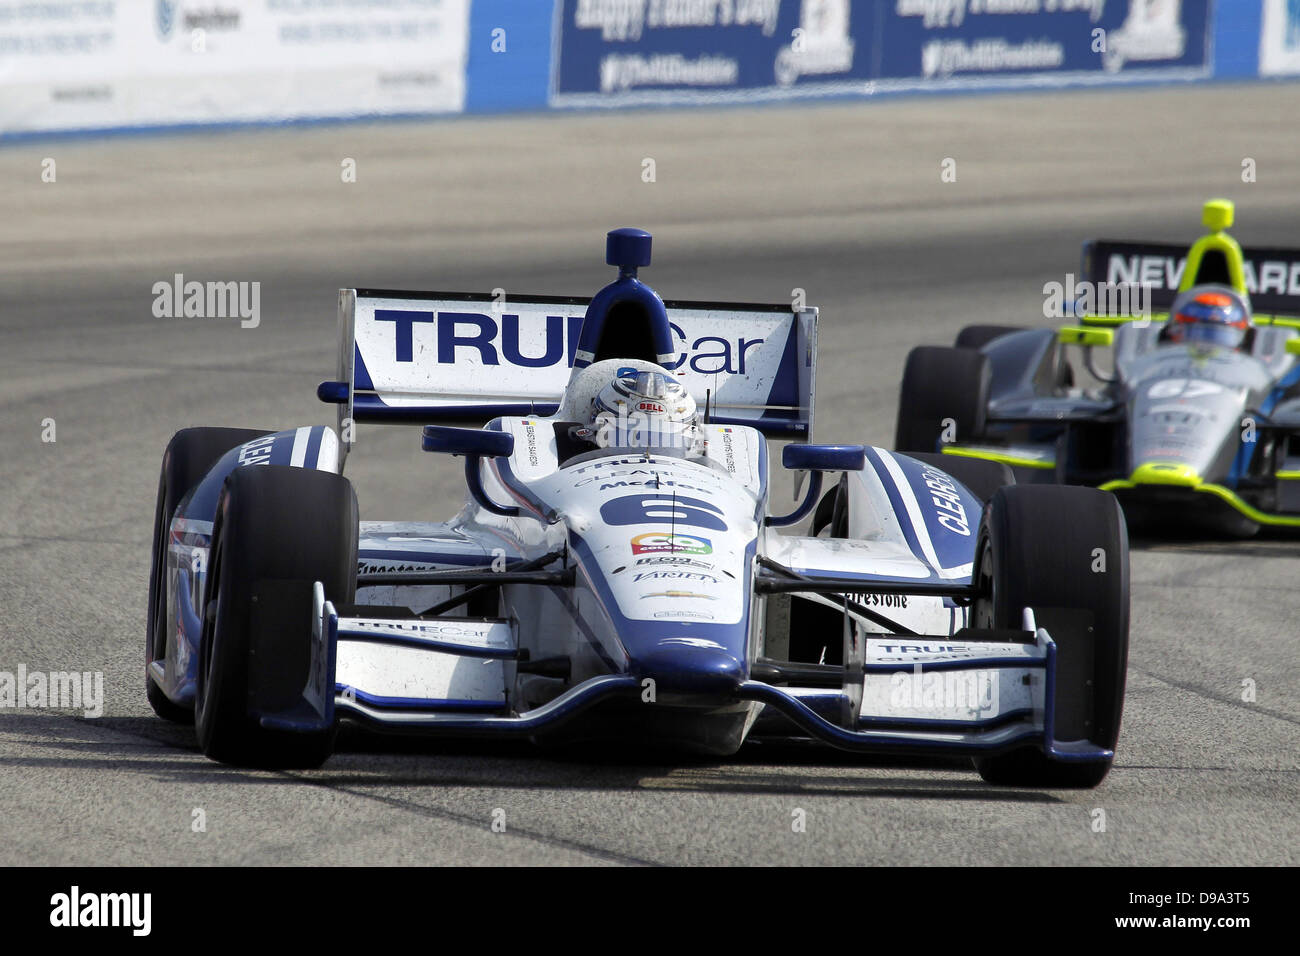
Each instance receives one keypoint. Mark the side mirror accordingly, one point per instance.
(468, 441)
(1075, 335)
(804, 457)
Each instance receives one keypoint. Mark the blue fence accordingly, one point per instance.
(610, 53)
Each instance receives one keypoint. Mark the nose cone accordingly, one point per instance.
(683, 666)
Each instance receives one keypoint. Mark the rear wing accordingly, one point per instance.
(1271, 276)
(1159, 271)
(426, 357)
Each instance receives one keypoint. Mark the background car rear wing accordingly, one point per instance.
(1159, 271)
(428, 357)
(1271, 276)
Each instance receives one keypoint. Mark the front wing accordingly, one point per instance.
(943, 695)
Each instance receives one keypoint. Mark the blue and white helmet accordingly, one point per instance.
(641, 409)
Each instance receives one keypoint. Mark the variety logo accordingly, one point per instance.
(673, 543)
(674, 576)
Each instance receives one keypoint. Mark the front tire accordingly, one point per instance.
(189, 456)
(978, 336)
(277, 531)
(943, 390)
(1062, 551)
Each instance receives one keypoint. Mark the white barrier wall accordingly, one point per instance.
(76, 64)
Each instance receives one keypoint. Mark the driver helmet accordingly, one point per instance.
(641, 409)
(1209, 315)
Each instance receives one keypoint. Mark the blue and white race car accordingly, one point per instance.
(617, 571)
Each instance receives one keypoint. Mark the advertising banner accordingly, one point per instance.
(611, 52)
(1279, 47)
(88, 64)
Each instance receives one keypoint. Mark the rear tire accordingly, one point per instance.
(284, 528)
(978, 336)
(941, 384)
(1038, 548)
(189, 456)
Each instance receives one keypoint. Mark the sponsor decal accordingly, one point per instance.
(692, 642)
(654, 407)
(678, 594)
(530, 437)
(951, 514)
(681, 613)
(674, 576)
(729, 450)
(658, 541)
(1279, 277)
(676, 561)
(484, 339)
(652, 483)
(257, 451)
(426, 628)
(380, 567)
(1183, 388)
(888, 653)
(883, 600)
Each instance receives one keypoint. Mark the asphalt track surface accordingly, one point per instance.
(844, 201)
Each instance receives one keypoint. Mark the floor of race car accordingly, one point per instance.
(842, 201)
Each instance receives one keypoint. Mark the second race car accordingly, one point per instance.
(1193, 420)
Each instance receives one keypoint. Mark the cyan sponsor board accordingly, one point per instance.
(620, 51)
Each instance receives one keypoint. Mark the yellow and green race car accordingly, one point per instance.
(1178, 387)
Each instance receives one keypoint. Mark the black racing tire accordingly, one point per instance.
(189, 456)
(1037, 548)
(941, 384)
(981, 476)
(283, 527)
(978, 336)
